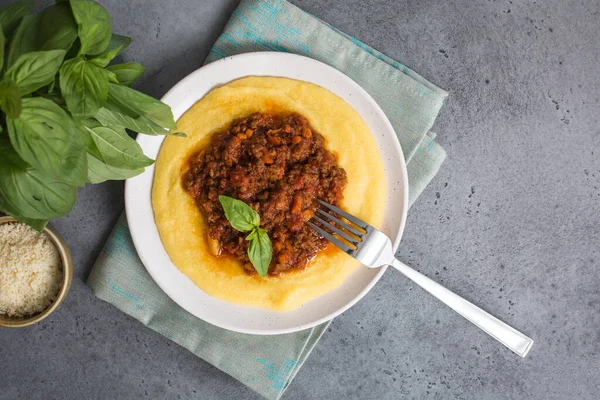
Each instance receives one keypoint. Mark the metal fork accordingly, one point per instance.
(373, 249)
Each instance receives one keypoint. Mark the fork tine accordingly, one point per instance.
(338, 221)
(349, 238)
(349, 217)
(332, 238)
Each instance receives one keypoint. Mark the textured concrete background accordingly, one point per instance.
(510, 222)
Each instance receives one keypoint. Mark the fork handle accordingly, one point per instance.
(505, 334)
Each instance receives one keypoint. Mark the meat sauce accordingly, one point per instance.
(279, 166)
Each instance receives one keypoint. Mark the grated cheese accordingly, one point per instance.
(30, 270)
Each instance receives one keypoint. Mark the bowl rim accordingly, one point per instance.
(67, 263)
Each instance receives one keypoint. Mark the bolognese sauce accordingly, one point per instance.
(279, 166)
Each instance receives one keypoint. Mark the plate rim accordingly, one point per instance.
(398, 150)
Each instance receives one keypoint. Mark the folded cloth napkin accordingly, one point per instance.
(268, 364)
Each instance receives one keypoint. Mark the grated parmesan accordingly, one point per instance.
(30, 270)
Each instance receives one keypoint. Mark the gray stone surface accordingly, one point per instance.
(510, 222)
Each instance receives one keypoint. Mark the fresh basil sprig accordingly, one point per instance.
(244, 219)
(65, 107)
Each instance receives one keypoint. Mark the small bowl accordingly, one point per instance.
(67, 263)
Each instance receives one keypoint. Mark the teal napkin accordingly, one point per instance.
(268, 364)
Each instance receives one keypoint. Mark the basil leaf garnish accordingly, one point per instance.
(260, 251)
(244, 219)
(239, 214)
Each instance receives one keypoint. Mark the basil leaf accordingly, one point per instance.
(33, 70)
(10, 16)
(112, 78)
(99, 172)
(10, 98)
(103, 59)
(120, 113)
(57, 99)
(84, 86)
(134, 104)
(2, 44)
(58, 29)
(252, 235)
(260, 251)
(26, 193)
(116, 45)
(117, 149)
(88, 142)
(46, 138)
(37, 224)
(118, 41)
(90, 123)
(8, 152)
(239, 214)
(5, 207)
(24, 39)
(110, 115)
(127, 73)
(52, 29)
(94, 26)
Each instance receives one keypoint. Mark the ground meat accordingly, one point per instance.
(279, 166)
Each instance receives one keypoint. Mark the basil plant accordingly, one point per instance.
(65, 108)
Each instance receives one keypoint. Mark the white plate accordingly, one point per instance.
(250, 319)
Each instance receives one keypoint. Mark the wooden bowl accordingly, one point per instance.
(67, 264)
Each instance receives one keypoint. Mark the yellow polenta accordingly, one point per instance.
(182, 226)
